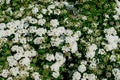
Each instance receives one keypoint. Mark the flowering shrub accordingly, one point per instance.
(51, 40)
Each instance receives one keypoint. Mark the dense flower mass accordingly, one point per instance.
(59, 40)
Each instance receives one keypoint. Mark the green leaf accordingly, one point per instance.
(41, 51)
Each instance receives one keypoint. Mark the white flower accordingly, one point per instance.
(12, 62)
(7, 1)
(56, 31)
(110, 31)
(68, 32)
(2, 33)
(9, 78)
(113, 58)
(40, 16)
(91, 77)
(23, 73)
(20, 49)
(57, 11)
(56, 42)
(41, 22)
(18, 56)
(36, 76)
(101, 51)
(54, 22)
(50, 57)
(34, 10)
(38, 40)
(27, 53)
(85, 75)
(83, 62)
(33, 53)
(41, 31)
(59, 57)
(33, 21)
(74, 47)
(25, 61)
(65, 49)
(14, 48)
(83, 79)
(76, 76)
(44, 11)
(90, 31)
(32, 29)
(84, 18)
(26, 46)
(71, 40)
(55, 74)
(2, 26)
(93, 65)
(77, 34)
(116, 73)
(55, 66)
(104, 79)
(112, 39)
(91, 51)
(14, 71)
(116, 17)
(23, 40)
(82, 68)
(110, 47)
(51, 7)
(5, 73)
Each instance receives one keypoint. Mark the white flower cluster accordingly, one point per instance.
(54, 22)
(60, 35)
(117, 8)
(91, 51)
(87, 76)
(112, 38)
(76, 76)
(23, 55)
(116, 73)
(36, 76)
(84, 76)
(82, 68)
(59, 62)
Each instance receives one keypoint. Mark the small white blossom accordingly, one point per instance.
(41, 22)
(36, 76)
(55, 74)
(25, 61)
(5, 73)
(101, 51)
(38, 40)
(12, 62)
(54, 22)
(18, 56)
(2, 26)
(44, 11)
(113, 58)
(14, 71)
(82, 68)
(9, 78)
(34, 10)
(7, 1)
(76, 76)
(41, 31)
(91, 77)
(116, 73)
(50, 57)
(40, 16)
(91, 51)
(33, 21)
